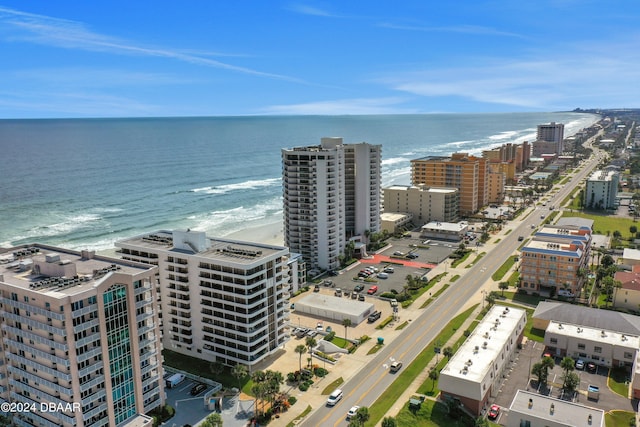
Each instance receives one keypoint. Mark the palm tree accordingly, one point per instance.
(311, 342)
(433, 376)
(213, 420)
(346, 323)
(567, 364)
(301, 349)
(360, 418)
(503, 286)
(447, 352)
(239, 372)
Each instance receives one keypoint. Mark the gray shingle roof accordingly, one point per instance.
(588, 317)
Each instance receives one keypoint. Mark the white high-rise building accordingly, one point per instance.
(80, 332)
(222, 300)
(331, 192)
(602, 189)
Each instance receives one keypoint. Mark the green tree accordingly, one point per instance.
(570, 382)
(360, 418)
(216, 367)
(239, 372)
(447, 352)
(433, 376)
(389, 422)
(311, 343)
(212, 420)
(301, 349)
(346, 323)
(503, 286)
(567, 364)
(481, 422)
(633, 230)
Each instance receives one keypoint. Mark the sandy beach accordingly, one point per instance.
(270, 234)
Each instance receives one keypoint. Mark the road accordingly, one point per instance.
(369, 383)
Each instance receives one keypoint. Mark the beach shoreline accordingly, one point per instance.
(269, 234)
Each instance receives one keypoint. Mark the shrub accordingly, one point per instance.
(330, 336)
(320, 372)
(292, 400)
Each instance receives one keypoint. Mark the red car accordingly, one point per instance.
(494, 411)
(372, 290)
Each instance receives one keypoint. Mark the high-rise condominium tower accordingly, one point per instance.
(80, 332)
(331, 193)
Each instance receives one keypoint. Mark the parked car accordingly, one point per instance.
(352, 412)
(338, 292)
(361, 297)
(316, 288)
(395, 367)
(319, 327)
(198, 388)
(393, 302)
(591, 367)
(374, 316)
(334, 397)
(358, 288)
(494, 411)
(372, 290)
(388, 270)
(412, 255)
(383, 276)
(312, 333)
(520, 238)
(354, 295)
(398, 253)
(579, 364)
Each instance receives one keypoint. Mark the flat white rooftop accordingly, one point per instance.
(482, 348)
(555, 411)
(594, 335)
(446, 226)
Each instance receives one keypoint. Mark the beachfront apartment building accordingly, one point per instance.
(516, 155)
(602, 189)
(221, 300)
(425, 204)
(555, 260)
(469, 174)
(331, 193)
(80, 332)
(474, 373)
(552, 132)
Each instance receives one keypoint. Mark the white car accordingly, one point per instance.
(334, 397)
(352, 412)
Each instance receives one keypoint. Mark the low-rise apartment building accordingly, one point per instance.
(537, 410)
(474, 373)
(222, 300)
(628, 295)
(80, 331)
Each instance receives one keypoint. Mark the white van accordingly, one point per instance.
(334, 397)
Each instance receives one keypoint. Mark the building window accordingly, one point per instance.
(628, 355)
(597, 349)
(581, 346)
(553, 340)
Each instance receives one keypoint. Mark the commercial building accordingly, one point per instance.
(453, 231)
(467, 173)
(552, 132)
(556, 259)
(331, 193)
(425, 204)
(80, 331)
(601, 190)
(475, 371)
(222, 300)
(537, 410)
(393, 222)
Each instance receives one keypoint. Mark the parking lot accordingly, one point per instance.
(519, 378)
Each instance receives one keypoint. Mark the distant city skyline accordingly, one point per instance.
(149, 59)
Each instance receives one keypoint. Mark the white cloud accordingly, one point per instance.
(466, 29)
(68, 34)
(343, 107)
(309, 10)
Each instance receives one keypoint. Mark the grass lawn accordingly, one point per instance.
(406, 376)
(618, 419)
(459, 261)
(201, 368)
(618, 381)
(514, 279)
(607, 224)
(430, 414)
(499, 273)
(478, 258)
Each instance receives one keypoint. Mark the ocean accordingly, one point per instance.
(85, 183)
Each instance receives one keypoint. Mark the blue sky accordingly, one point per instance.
(216, 58)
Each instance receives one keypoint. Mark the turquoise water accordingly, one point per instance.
(86, 183)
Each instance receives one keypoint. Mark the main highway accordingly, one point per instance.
(366, 385)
